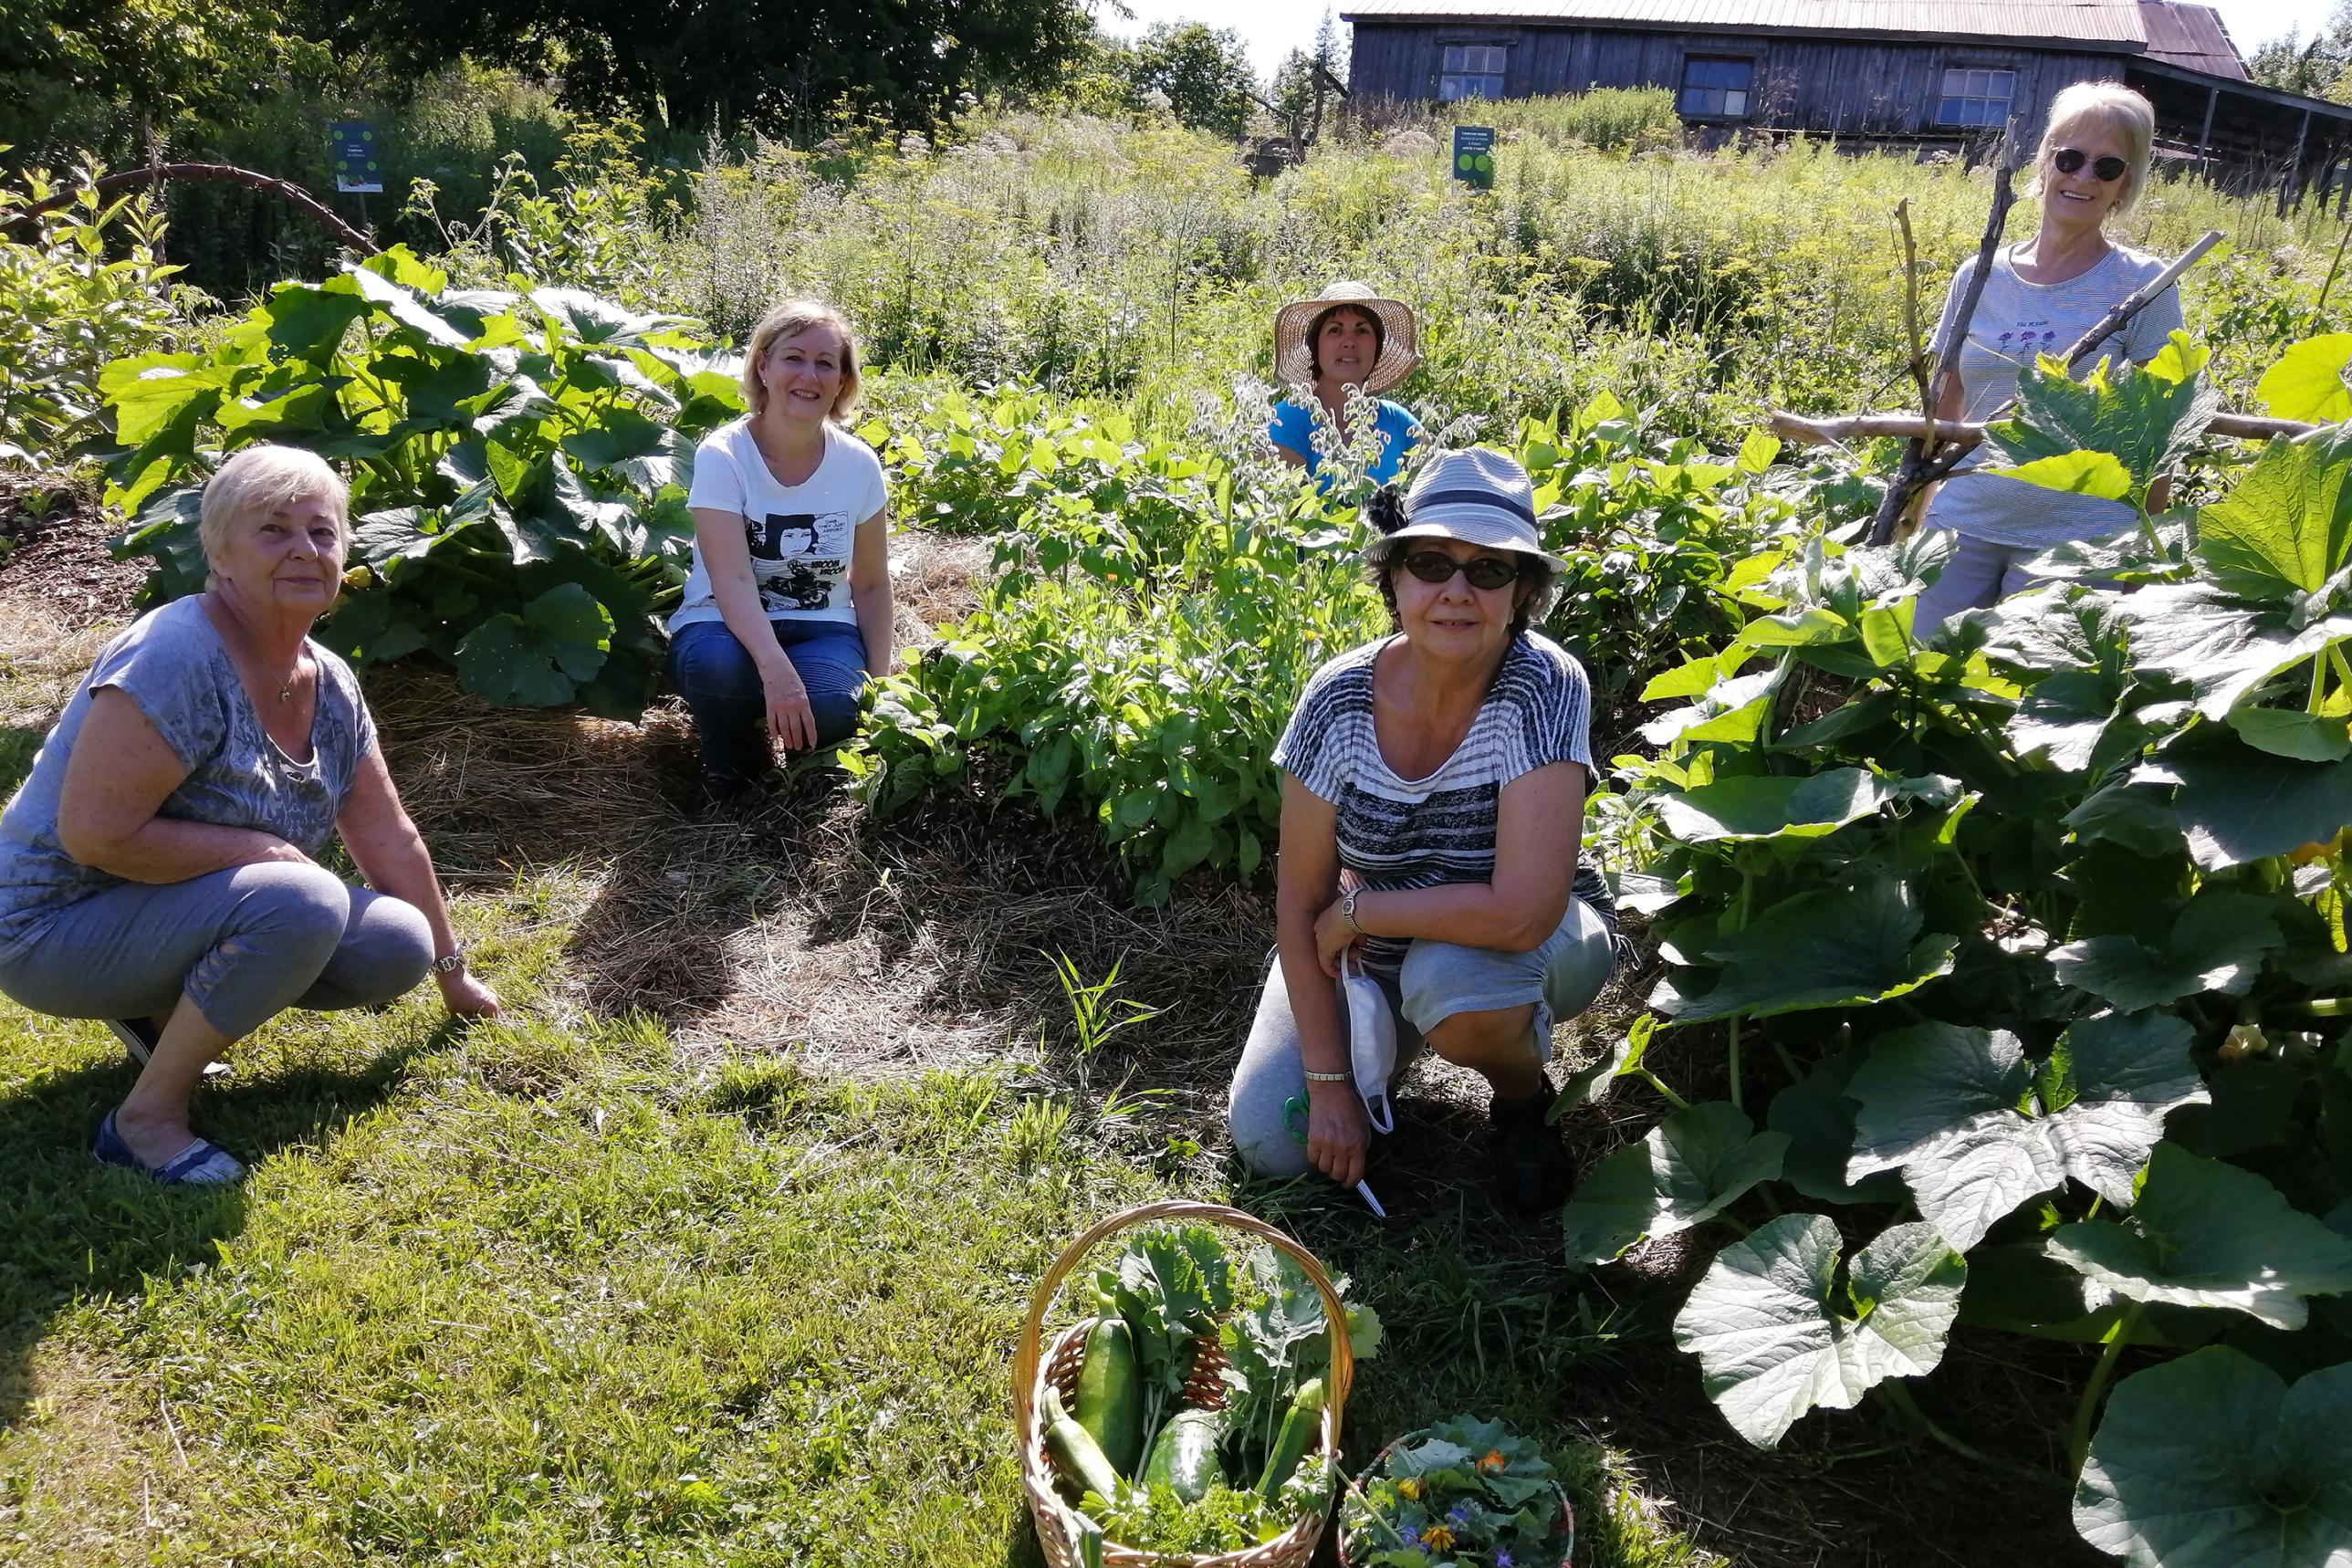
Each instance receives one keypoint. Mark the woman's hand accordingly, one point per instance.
(1333, 936)
(1337, 1131)
(466, 997)
(791, 723)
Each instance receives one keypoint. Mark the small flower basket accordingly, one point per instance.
(1464, 1493)
(1039, 1365)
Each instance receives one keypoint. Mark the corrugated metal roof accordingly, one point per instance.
(2192, 35)
(2110, 22)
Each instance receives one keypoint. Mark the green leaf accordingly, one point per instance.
(1977, 1130)
(1752, 809)
(2212, 1461)
(1589, 1083)
(2219, 648)
(2064, 717)
(2288, 733)
(2077, 473)
(149, 392)
(1689, 1168)
(1832, 948)
(1776, 1335)
(2148, 421)
(2308, 383)
(307, 322)
(2216, 945)
(403, 306)
(2204, 1234)
(1818, 1117)
(2237, 805)
(2286, 523)
(539, 658)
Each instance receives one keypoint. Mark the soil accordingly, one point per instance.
(53, 535)
(790, 922)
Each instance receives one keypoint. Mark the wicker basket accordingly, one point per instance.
(1036, 1368)
(1379, 1463)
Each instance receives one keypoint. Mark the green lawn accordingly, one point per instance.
(565, 1291)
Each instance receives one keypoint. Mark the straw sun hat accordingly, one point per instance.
(1294, 364)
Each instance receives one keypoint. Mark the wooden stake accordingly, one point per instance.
(2140, 300)
(1965, 435)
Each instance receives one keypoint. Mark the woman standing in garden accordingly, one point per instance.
(788, 605)
(1345, 337)
(157, 868)
(2042, 296)
(1433, 804)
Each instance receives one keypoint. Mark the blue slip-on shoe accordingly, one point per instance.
(202, 1163)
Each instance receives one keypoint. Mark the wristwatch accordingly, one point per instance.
(455, 959)
(1347, 910)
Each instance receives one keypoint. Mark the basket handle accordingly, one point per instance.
(1337, 1381)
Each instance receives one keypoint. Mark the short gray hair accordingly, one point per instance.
(2125, 113)
(260, 479)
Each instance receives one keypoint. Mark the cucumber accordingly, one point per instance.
(1297, 1436)
(1075, 1451)
(1111, 1394)
(1185, 1456)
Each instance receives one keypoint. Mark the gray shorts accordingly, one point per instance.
(243, 944)
(1437, 980)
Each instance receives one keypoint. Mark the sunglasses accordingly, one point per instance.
(2070, 161)
(1483, 571)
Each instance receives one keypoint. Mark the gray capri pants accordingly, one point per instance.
(1437, 980)
(243, 944)
(1977, 573)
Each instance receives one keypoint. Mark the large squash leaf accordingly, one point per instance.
(542, 657)
(1778, 1333)
(2308, 383)
(1687, 1170)
(1751, 807)
(2212, 1461)
(2217, 944)
(1977, 1129)
(2204, 1234)
(1818, 1119)
(2148, 418)
(2236, 804)
(2286, 525)
(1835, 948)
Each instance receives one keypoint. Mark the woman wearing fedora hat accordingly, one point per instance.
(1346, 336)
(1432, 806)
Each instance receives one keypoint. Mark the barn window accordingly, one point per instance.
(1472, 70)
(1976, 97)
(1716, 87)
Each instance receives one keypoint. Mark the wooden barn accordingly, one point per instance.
(1931, 73)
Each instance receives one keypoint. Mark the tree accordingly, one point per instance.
(2320, 69)
(1205, 73)
(1302, 80)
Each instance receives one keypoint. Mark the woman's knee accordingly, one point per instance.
(1471, 1038)
(835, 713)
(294, 905)
(387, 952)
(1262, 1139)
(707, 663)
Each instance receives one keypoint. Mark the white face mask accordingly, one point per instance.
(1372, 1039)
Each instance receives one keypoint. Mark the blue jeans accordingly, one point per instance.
(715, 674)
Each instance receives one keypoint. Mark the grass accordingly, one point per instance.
(574, 1289)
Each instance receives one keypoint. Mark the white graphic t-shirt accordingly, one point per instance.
(800, 535)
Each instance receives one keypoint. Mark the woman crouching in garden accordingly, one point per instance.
(157, 867)
(1432, 806)
(788, 606)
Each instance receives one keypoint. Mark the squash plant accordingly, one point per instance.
(518, 463)
(2027, 943)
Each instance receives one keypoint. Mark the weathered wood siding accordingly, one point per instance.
(1829, 86)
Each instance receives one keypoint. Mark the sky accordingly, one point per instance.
(1271, 28)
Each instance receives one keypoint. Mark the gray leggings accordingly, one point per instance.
(1977, 573)
(1438, 980)
(243, 945)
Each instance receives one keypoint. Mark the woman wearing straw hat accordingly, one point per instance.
(1433, 802)
(1346, 336)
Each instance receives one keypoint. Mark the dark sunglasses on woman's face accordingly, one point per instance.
(2070, 161)
(1483, 571)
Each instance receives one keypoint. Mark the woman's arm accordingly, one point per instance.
(1307, 875)
(1539, 827)
(121, 773)
(869, 591)
(727, 557)
(391, 854)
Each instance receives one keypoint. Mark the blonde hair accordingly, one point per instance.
(2123, 111)
(259, 481)
(789, 319)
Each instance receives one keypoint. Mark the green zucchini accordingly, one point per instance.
(1111, 1394)
(1184, 1454)
(1075, 1452)
(1297, 1436)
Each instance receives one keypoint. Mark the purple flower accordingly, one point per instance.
(1503, 1560)
(1459, 1513)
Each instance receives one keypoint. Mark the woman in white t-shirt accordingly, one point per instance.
(788, 606)
(2041, 297)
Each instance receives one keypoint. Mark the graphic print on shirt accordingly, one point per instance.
(798, 557)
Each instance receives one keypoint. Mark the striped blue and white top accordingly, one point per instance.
(1396, 833)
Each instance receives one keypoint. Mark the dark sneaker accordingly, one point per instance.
(1531, 1169)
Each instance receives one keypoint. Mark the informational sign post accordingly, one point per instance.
(351, 148)
(1474, 155)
